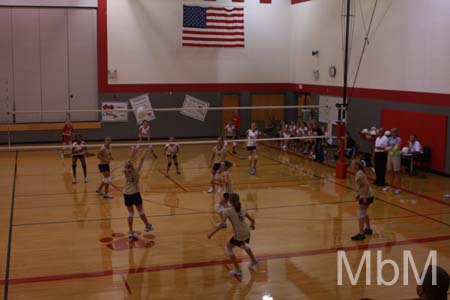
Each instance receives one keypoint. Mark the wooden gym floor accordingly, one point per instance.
(67, 243)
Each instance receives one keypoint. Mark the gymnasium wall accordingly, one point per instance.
(408, 49)
(144, 45)
(166, 123)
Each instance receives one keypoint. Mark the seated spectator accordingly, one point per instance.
(428, 291)
(414, 146)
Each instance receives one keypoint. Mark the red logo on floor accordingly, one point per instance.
(120, 241)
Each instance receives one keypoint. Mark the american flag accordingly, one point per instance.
(213, 27)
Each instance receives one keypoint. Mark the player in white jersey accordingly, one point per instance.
(79, 152)
(144, 133)
(171, 149)
(230, 133)
(252, 135)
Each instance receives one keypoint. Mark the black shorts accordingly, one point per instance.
(251, 148)
(133, 199)
(237, 243)
(216, 167)
(172, 156)
(230, 137)
(368, 201)
(104, 168)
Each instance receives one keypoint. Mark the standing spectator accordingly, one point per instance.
(380, 157)
(318, 147)
(393, 162)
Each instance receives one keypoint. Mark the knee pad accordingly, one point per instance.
(246, 246)
(250, 157)
(141, 212)
(362, 213)
(234, 144)
(107, 180)
(228, 251)
(176, 164)
(255, 157)
(169, 164)
(130, 214)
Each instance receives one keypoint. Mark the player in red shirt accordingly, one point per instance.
(66, 136)
(237, 122)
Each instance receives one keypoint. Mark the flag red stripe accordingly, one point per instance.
(212, 32)
(224, 27)
(225, 21)
(188, 38)
(225, 9)
(213, 45)
(224, 15)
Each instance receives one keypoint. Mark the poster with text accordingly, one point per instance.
(139, 103)
(114, 112)
(195, 108)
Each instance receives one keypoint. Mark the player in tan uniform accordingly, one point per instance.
(105, 157)
(131, 194)
(171, 149)
(219, 153)
(365, 198)
(241, 233)
(144, 133)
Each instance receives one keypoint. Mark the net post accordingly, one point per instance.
(341, 166)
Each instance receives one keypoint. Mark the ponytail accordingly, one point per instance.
(234, 199)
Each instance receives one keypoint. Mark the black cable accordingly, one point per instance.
(366, 42)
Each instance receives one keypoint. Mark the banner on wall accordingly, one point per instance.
(111, 112)
(142, 103)
(195, 108)
(329, 114)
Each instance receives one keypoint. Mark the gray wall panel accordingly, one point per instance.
(27, 64)
(82, 28)
(54, 63)
(6, 68)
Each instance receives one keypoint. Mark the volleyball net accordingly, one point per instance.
(298, 128)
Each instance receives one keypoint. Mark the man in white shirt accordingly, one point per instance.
(380, 158)
(414, 146)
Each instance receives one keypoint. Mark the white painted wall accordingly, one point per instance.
(144, 44)
(408, 50)
(48, 3)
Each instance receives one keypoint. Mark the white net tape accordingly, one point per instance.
(166, 109)
(126, 145)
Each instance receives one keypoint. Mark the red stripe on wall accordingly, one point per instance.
(102, 43)
(265, 1)
(299, 1)
(387, 95)
(214, 45)
(238, 1)
(205, 87)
